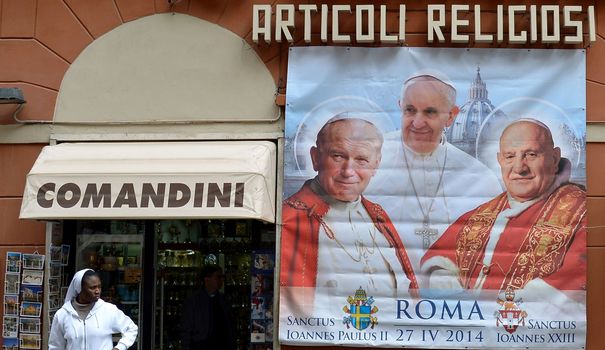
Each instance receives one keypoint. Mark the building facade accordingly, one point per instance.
(190, 71)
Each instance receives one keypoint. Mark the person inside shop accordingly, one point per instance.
(427, 182)
(334, 240)
(530, 239)
(206, 321)
(85, 320)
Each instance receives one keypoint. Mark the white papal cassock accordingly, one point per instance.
(359, 256)
(424, 193)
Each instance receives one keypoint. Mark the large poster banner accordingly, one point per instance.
(435, 198)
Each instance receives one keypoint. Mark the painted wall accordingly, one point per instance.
(41, 39)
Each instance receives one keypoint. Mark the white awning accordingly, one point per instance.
(226, 179)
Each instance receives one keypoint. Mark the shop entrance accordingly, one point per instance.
(150, 267)
(150, 264)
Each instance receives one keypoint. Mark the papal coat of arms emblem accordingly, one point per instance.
(360, 311)
(510, 316)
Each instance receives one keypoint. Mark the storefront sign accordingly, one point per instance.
(434, 198)
(546, 23)
(97, 195)
(138, 180)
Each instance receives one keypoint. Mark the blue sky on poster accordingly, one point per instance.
(319, 74)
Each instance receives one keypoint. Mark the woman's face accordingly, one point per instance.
(91, 290)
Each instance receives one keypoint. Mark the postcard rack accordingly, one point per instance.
(23, 300)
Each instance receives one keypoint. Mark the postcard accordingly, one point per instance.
(30, 341)
(264, 261)
(10, 344)
(31, 309)
(33, 261)
(55, 269)
(11, 305)
(54, 285)
(65, 254)
(29, 325)
(257, 308)
(31, 292)
(11, 283)
(55, 253)
(51, 314)
(54, 301)
(13, 262)
(10, 327)
(33, 277)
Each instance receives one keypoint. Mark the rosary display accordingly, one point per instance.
(23, 296)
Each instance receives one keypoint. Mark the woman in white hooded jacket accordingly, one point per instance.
(86, 322)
